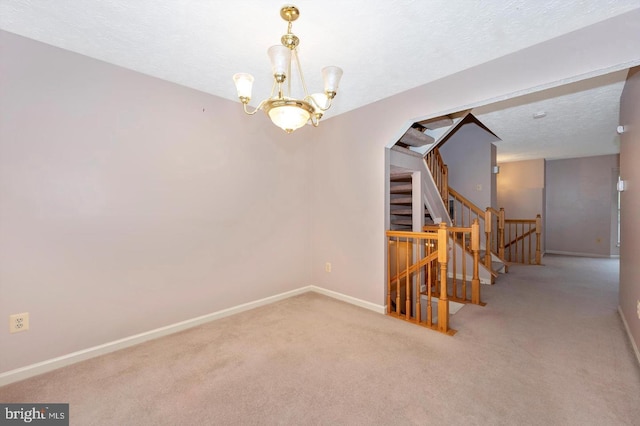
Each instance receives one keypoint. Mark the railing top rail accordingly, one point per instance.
(494, 211)
(408, 234)
(473, 207)
(520, 220)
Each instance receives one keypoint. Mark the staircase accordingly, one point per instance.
(441, 246)
(401, 203)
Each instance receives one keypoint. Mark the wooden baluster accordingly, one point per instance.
(407, 289)
(522, 243)
(398, 276)
(529, 251)
(443, 301)
(420, 248)
(388, 275)
(516, 243)
(452, 261)
(501, 233)
(429, 288)
(464, 263)
(487, 242)
(445, 184)
(538, 235)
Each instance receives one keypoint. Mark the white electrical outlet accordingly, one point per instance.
(638, 309)
(19, 322)
(327, 267)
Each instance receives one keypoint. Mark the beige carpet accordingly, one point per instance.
(548, 349)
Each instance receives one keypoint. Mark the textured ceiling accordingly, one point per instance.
(581, 120)
(384, 47)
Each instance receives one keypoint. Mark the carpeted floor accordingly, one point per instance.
(548, 349)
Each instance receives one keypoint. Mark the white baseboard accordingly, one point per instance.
(633, 342)
(577, 254)
(381, 309)
(82, 355)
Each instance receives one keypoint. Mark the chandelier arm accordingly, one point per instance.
(311, 100)
(315, 122)
(259, 107)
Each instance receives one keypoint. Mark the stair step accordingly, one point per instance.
(400, 176)
(414, 137)
(402, 188)
(407, 222)
(401, 200)
(402, 211)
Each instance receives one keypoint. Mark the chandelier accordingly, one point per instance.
(286, 111)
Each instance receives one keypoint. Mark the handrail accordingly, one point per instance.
(462, 211)
(455, 194)
(492, 220)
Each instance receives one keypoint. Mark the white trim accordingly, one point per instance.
(62, 361)
(381, 309)
(571, 253)
(22, 373)
(633, 342)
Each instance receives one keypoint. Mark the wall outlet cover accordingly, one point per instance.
(19, 322)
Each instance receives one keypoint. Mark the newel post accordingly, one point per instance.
(443, 301)
(538, 234)
(501, 233)
(475, 249)
(487, 240)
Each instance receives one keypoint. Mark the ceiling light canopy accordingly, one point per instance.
(286, 111)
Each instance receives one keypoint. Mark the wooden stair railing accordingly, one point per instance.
(460, 288)
(520, 236)
(462, 213)
(439, 172)
(417, 266)
(413, 258)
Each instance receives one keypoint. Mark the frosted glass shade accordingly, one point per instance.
(280, 57)
(244, 84)
(289, 117)
(331, 77)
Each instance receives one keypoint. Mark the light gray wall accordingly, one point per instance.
(468, 156)
(494, 177)
(630, 206)
(129, 203)
(521, 188)
(579, 214)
